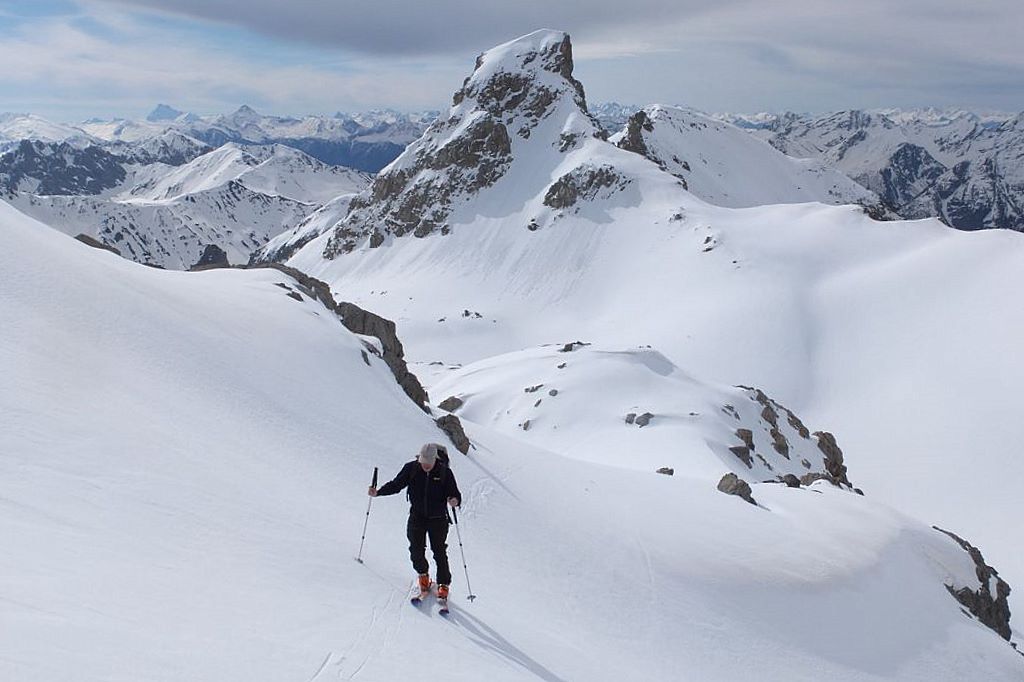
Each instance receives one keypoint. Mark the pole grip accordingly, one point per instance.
(455, 515)
(374, 483)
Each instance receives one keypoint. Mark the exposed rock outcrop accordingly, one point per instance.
(632, 139)
(988, 601)
(584, 182)
(833, 458)
(777, 446)
(359, 321)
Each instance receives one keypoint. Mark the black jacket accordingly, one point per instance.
(428, 492)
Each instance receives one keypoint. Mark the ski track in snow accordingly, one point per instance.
(375, 638)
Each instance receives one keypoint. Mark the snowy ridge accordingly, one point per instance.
(234, 515)
(316, 224)
(15, 127)
(633, 409)
(272, 170)
(726, 166)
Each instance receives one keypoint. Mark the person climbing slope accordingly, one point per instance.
(431, 488)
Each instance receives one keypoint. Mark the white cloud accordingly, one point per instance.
(141, 65)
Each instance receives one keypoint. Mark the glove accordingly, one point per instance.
(453, 501)
(372, 492)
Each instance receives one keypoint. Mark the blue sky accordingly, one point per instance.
(69, 60)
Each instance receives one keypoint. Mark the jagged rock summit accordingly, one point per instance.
(520, 113)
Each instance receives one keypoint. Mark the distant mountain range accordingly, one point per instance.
(963, 167)
(365, 141)
(163, 200)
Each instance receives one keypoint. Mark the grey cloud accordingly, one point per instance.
(415, 27)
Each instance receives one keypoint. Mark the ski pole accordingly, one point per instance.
(373, 484)
(462, 551)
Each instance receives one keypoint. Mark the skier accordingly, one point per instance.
(431, 484)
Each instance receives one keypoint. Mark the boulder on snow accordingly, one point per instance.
(644, 419)
(790, 480)
(452, 427)
(731, 484)
(451, 403)
(668, 471)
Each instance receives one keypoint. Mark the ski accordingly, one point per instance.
(443, 603)
(419, 596)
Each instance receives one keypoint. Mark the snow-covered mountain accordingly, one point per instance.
(167, 487)
(274, 170)
(613, 116)
(512, 224)
(963, 168)
(726, 166)
(17, 127)
(234, 197)
(60, 168)
(320, 221)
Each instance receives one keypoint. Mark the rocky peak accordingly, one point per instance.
(244, 116)
(515, 90)
(163, 112)
(515, 74)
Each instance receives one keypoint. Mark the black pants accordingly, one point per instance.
(418, 529)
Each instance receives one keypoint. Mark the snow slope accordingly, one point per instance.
(16, 127)
(899, 337)
(726, 166)
(633, 408)
(185, 458)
